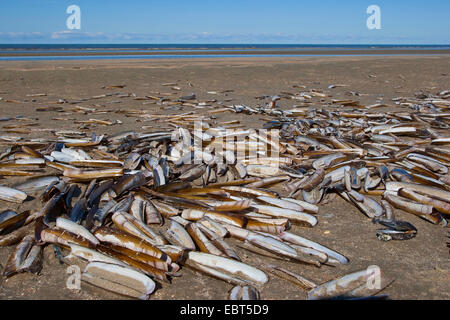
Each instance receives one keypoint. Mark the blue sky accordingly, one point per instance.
(227, 21)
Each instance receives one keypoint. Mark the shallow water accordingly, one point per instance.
(21, 52)
(183, 56)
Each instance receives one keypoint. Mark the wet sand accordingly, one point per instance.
(420, 266)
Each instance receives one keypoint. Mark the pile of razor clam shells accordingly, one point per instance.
(136, 208)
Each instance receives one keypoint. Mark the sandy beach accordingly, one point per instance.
(50, 92)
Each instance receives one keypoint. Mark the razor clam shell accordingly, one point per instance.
(244, 293)
(77, 229)
(219, 242)
(307, 207)
(202, 242)
(35, 184)
(121, 275)
(18, 256)
(214, 226)
(226, 269)
(314, 196)
(296, 239)
(113, 287)
(12, 195)
(91, 255)
(12, 238)
(7, 214)
(181, 235)
(34, 260)
(282, 203)
(394, 186)
(340, 286)
(123, 222)
(294, 216)
(11, 221)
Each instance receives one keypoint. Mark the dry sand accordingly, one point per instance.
(420, 266)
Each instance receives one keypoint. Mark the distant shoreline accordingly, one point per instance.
(240, 52)
(10, 52)
(177, 54)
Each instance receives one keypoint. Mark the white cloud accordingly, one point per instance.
(72, 35)
(22, 35)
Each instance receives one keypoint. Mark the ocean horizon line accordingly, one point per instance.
(151, 45)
